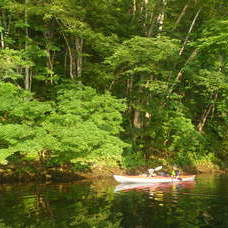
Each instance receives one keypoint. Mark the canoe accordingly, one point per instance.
(156, 179)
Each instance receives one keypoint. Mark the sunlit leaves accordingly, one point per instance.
(215, 36)
(86, 124)
(140, 54)
(81, 124)
(11, 63)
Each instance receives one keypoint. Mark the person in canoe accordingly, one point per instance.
(153, 172)
(175, 172)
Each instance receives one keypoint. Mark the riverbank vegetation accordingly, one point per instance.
(128, 83)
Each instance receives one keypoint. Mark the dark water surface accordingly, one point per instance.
(203, 203)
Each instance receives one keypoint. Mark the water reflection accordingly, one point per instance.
(151, 187)
(100, 203)
(183, 205)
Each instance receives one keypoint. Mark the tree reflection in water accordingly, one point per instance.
(82, 204)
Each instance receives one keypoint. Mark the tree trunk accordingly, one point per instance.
(180, 74)
(71, 72)
(206, 113)
(134, 7)
(129, 86)
(157, 17)
(79, 47)
(50, 61)
(27, 79)
(181, 14)
(192, 56)
(65, 63)
(146, 13)
(71, 59)
(150, 29)
(48, 35)
(161, 16)
(2, 39)
(189, 32)
(2, 31)
(137, 120)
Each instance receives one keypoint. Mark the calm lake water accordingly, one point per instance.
(203, 203)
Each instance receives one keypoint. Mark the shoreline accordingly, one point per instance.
(42, 175)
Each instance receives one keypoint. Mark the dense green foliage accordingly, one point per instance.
(129, 81)
(79, 124)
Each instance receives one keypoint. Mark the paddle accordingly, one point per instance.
(158, 168)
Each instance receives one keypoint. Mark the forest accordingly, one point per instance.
(119, 83)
